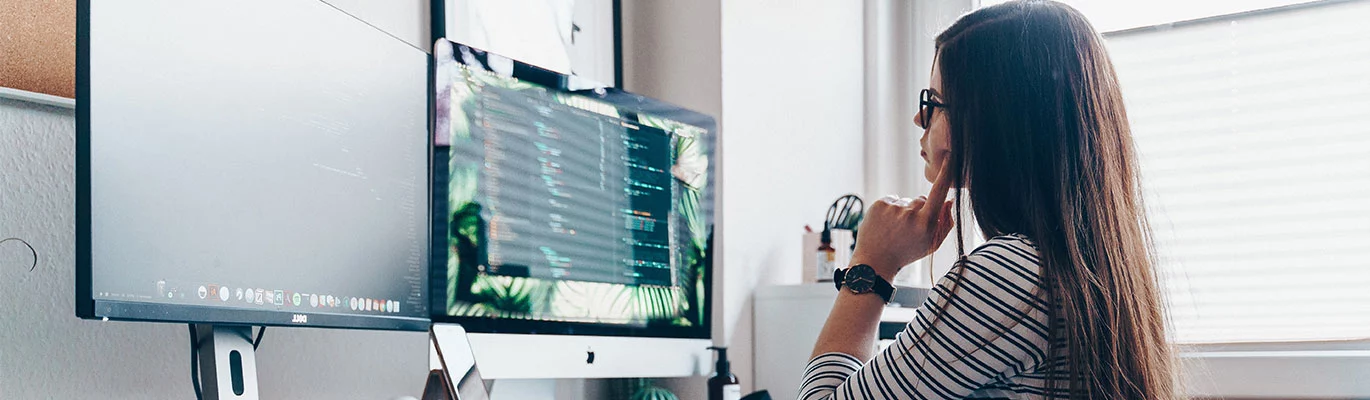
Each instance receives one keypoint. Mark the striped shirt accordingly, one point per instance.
(988, 342)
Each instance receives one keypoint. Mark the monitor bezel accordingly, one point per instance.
(641, 104)
(89, 307)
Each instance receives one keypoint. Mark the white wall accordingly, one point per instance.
(793, 111)
(671, 52)
(407, 20)
(785, 80)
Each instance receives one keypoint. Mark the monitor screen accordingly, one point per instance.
(258, 162)
(566, 211)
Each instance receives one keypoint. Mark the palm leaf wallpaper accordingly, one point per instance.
(471, 292)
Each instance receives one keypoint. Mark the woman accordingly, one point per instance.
(1024, 113)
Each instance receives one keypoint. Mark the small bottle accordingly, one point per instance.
(723, 385)
(827, 257)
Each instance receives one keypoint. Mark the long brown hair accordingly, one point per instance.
(1041, 143)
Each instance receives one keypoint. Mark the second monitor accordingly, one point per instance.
(579, 220)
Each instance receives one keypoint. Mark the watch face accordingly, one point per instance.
(860, 279)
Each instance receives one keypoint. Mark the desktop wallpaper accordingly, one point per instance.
(562, 207)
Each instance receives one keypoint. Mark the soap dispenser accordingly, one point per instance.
(723, 385)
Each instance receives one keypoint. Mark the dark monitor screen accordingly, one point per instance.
(250, 162)
(565, 207)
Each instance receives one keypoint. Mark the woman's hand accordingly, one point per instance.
(896, 232)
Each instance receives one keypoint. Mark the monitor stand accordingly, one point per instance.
(228, 364)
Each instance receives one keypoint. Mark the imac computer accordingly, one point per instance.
(572, 223)
(248, 163)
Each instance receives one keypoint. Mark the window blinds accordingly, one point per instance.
(1254, 137)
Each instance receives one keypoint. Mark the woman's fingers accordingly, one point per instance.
(938, 195)
(946, 223)
(921, 200)
(897, 231)
(884, 203)
(917, 204)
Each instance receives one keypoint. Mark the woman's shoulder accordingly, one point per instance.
(1012, 255)
(1012, 240)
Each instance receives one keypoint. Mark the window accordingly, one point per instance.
(1254, 137)
(1252, 120)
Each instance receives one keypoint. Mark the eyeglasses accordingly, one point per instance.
(925, 107)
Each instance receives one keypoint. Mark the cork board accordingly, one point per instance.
(38, 46)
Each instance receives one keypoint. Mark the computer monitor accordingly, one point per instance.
(252, 162)
(572, 227)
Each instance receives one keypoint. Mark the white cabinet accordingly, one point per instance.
(788, 319)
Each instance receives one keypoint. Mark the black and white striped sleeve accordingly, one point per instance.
(993, 327)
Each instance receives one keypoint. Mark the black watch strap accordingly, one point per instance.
(862, 279)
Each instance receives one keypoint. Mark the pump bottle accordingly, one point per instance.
(723, 385)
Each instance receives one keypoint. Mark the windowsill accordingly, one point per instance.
(1279, 354)
(1278, 370)
(1278, 347)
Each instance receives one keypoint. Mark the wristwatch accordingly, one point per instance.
(861, 279)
